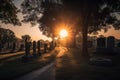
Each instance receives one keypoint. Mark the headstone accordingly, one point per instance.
(110, 42)
(38, 47)
(106, 46)
(118, 45)
(34, 48)
(13, 46)
(21, 47)
(27, 48)
(101, 45)
(26, 57)
(101, 42)
(51, 45)
(45, 47)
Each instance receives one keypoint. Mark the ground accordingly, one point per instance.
(70, 65)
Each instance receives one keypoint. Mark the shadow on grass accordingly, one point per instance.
(72, 66)
(15, 68)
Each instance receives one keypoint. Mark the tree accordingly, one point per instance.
(7, 37)
(10, 37)
(8, 12)
(89, 15)
(26, 38)
(37, 9)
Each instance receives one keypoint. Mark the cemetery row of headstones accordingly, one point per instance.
(9, 46)
(105, 45)
(104, 42)
(37, 48)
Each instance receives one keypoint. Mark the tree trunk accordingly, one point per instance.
(74, 40)
(84, 41)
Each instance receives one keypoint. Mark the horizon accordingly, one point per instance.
(36, 34)
(27, 29)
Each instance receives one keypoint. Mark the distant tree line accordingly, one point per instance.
(7, 37)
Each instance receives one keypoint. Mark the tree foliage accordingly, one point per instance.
(8, 12)
(26, 38)
(86, 16)
(7, 36)
(98, 14)
(35, 10)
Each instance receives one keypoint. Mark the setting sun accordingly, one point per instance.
(63, 33)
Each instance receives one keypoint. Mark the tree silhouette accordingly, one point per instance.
(7, 37)
(86, 16)
(26, 38)
(8, 12)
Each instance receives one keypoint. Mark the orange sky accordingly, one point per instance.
(34, 32)
(111, 32)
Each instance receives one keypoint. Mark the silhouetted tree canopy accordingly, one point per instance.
(26, 38)
(8, 12)
(86, 16)
(7, 36)
(95, 14)
(99, 14)
(34, 13)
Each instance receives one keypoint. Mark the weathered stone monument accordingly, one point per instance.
(110, 44)
(34, 48)
(21, 47)
(39, 48)
(51, 45)
(105, 45)
(101, 45)
(27, 48)
(26, 57)
(13, 46)
(45, 47)
(101, 42)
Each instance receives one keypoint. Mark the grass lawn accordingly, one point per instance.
(14, 68)
(6, 56)
(72, 66)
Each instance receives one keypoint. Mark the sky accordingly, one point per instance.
(34, 31)
(111, 32)
(36, 34)
(26, 28)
